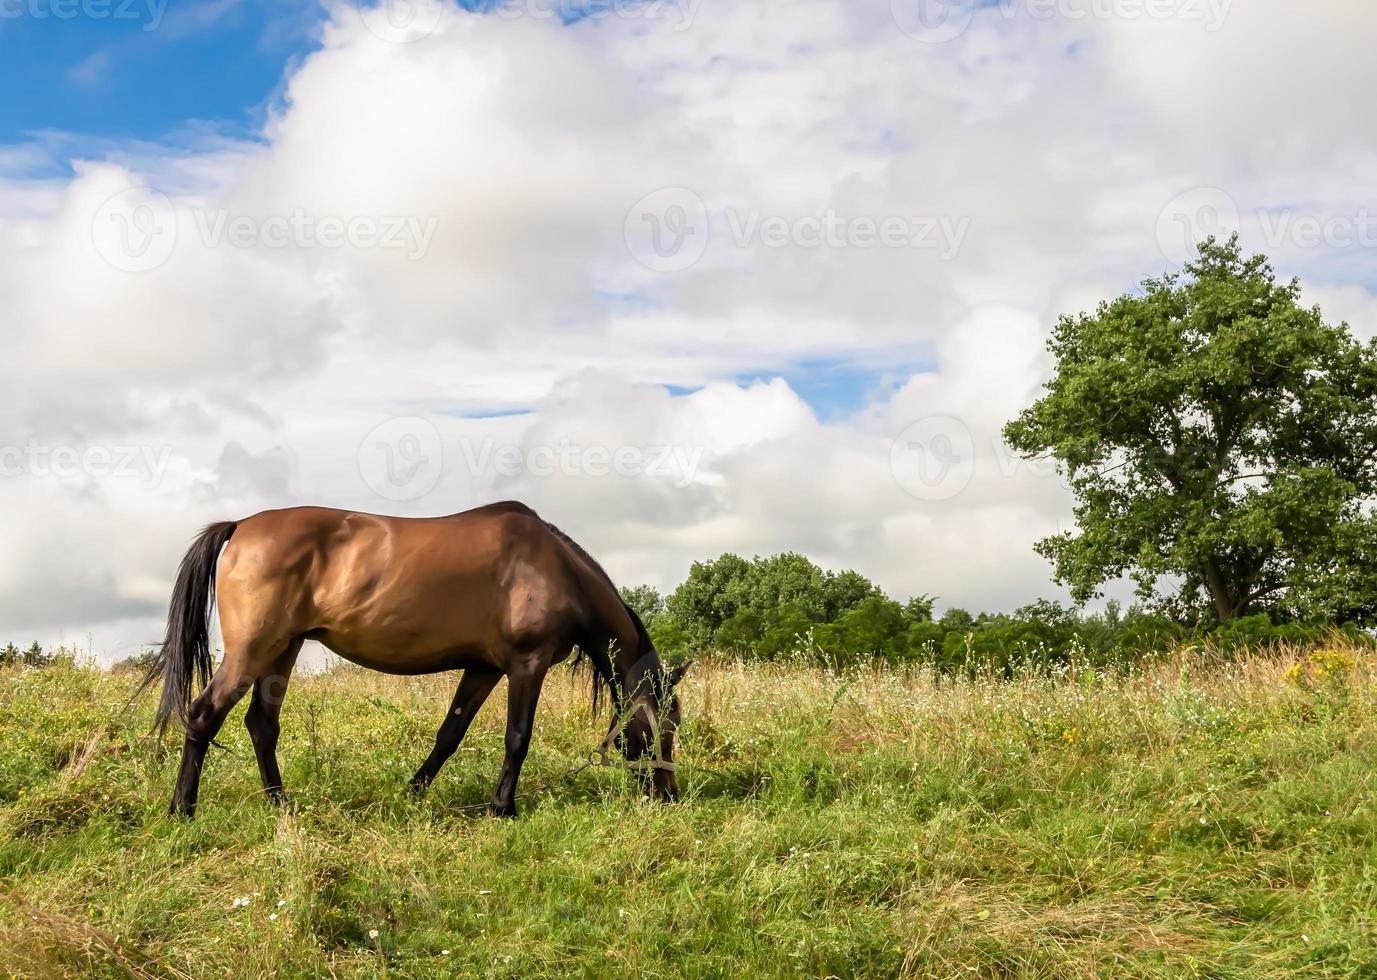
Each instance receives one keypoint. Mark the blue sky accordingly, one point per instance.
(144, 69)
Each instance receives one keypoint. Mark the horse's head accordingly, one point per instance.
(652, 721)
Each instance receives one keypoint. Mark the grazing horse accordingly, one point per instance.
(495, 591)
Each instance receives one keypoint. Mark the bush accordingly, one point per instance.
(139, 663)
(749, 594)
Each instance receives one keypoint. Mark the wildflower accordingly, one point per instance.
(444, 952)
(272, 917)
(281, 902)
(372, 934)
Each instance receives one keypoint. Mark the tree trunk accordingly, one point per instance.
(1219, 592)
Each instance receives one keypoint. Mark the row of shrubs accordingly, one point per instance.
(784, 606)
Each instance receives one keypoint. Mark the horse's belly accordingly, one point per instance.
(412, 626)
(401, 655)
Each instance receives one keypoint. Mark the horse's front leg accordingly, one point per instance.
(473, 690)
(524, 679)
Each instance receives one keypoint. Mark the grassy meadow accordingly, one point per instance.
(1181, 819)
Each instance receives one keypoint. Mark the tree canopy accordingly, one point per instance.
(1221, 442)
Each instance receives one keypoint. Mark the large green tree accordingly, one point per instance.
(1221, 442)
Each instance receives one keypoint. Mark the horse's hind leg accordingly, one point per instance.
(262, 719)
(474, 688)
(241, 667)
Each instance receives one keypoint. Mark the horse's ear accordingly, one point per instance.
(677, 672)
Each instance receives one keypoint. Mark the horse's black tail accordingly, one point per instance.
(186, 647)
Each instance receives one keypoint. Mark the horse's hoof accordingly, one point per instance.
(507, 811)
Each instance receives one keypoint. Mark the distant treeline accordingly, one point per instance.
(786, 606)
(31, 656)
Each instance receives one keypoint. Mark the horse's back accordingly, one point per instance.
(406, 594)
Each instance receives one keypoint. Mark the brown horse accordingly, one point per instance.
(495, 591)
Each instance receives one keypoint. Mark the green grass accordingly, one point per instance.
(1181, 820)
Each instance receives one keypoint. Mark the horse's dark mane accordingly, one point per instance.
(603, 674)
